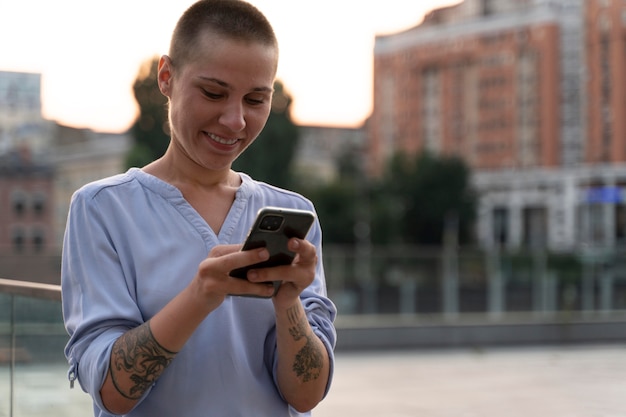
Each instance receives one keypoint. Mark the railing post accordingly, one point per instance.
(450, 266)
(495, 283)
(606, 291)
(408, 294)
(369, 284)
(450, 282)
(12, 353)
(538, 280)
(588, 292)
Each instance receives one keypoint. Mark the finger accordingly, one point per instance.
(244, 287)
(232, 260)
(305, 251)
(221, 250)
(302, 273)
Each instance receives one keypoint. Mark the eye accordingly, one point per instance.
(256, 100)
(211, 95)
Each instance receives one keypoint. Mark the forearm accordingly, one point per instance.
(303, 362)
(139, 356)
(137, 360)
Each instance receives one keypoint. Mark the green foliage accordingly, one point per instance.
(411, 204)
(269, 158)
(418, 196)
(150, 130)
(342, 205)
(337, 207)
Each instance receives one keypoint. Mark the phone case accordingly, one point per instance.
(272, 229)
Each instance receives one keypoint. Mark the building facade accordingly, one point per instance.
(527, 91)
(41, 164)
(26, 192)
(27, 248)
(26, 204)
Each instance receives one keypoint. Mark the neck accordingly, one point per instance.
(187, 173)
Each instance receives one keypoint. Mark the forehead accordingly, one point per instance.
(227, 58)
(209, 39)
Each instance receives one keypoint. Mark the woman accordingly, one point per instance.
(157, 326)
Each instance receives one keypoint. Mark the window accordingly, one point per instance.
(38, 239)
(18, 201)
(488, 7)
(500, 225)
(18, 238)
(39, 203)
(535, 227)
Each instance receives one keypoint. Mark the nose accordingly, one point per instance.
(233, 116)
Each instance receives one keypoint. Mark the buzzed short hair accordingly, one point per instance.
(235, 19)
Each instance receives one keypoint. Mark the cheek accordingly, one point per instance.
(182, 114)
(256, 122)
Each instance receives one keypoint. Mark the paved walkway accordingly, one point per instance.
(528, 382)
(515, 382)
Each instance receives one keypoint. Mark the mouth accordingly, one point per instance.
(222, 140)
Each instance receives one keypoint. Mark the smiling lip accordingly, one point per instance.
(221, 140)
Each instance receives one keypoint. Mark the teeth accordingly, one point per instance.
(222, 140)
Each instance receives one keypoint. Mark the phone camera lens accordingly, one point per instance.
(271, 223)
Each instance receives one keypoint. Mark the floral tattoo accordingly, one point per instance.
(309, 361)
(140, 359)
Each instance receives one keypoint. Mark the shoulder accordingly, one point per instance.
(93, 188)
(272, 195)
(121, 186)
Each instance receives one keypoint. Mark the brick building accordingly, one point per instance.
(27, 247)
(515, 87)
(26, 204)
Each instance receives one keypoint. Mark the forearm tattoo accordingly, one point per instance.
(139, 359)
(309, 360)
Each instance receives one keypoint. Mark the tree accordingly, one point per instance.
(270, 157)
(150, 132)
(337, 208)
(418, 196)
(342, 205)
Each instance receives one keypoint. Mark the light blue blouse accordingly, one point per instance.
(131, 244)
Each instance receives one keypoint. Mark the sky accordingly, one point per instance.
(89, 53)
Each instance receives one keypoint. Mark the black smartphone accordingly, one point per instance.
(272, 229)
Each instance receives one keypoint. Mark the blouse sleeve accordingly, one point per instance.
(98, 301)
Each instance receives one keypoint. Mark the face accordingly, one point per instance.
(220, 101)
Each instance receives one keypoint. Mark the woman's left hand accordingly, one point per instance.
(295, 277)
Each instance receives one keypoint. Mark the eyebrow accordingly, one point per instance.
(226, 85)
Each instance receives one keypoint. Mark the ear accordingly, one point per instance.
(165, 75)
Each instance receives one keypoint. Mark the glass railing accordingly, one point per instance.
(33, 370)
(379, 286)
(424, 282)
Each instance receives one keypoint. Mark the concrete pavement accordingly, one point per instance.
(559, 381)
(582, 381)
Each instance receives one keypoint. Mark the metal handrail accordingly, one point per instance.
(30, 289)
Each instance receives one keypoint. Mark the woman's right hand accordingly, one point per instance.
(213, 281)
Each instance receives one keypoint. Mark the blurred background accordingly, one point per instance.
(474, 214)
